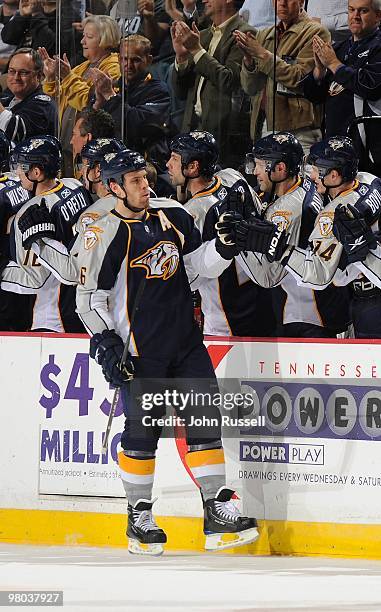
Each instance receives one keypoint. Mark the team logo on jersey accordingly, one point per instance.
(280, 218)
(326, 224)
(91, 236)
(87, 219)
(363, 190)
(43, 98)
(222, 194)
(160, 261)
(65, 193)
(335, 89)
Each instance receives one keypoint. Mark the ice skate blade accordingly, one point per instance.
(223, 541)
(137, 548)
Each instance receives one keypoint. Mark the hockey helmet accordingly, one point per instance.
(42, 151)
(95, 150)
(335, 153)
(197, 146)
(279, 147)
(115, 165)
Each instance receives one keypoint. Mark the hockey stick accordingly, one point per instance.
(115, 399)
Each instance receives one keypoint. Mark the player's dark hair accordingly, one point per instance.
(98, 123)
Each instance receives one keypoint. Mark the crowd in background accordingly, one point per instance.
(99, 68)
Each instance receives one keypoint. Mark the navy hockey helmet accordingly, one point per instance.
(335, 153)
(95, 150)
(115, 165)
(279, 147)
(44, 152)
(197, 146)
(5, 149)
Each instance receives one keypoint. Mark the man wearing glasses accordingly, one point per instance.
(25, 110)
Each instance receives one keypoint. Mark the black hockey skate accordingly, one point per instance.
(144, 536)
(224, 525)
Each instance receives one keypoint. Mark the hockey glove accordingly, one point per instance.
(350, 228)
(107, 350)
(36, 222)
(226, 234)
(262, 237)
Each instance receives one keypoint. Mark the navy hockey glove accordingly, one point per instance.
(351, 229)
(107, 350)
(226, 234)
(262, 236)
(36, 222)
(241, 201)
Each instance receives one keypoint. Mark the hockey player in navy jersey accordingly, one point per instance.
(154, 240)
(292, 210)
(15, 310)
(231, 304)
(37, 163)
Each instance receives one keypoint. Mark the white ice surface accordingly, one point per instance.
(107, 579)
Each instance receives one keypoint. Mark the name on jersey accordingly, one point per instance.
(18, 196)
(71, 207)
(374, 201)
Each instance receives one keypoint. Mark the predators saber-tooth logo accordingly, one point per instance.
(160, 261)
(90, 236)
(281, 219)
(326, 224)
(88, 219)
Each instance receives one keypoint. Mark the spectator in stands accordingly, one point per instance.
(260, 13)
(207, 75)
(333, 14)
(294, 60)
(145, 116)
(101, 36)
(26, 111)
(91, 124)
(188, 11)
(33, 25)
(151, 21)
(7, 10)
(347, 77)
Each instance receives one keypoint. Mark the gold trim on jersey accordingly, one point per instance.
(201, 194)
(297, 184)
(53, 190)
(344, 193)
